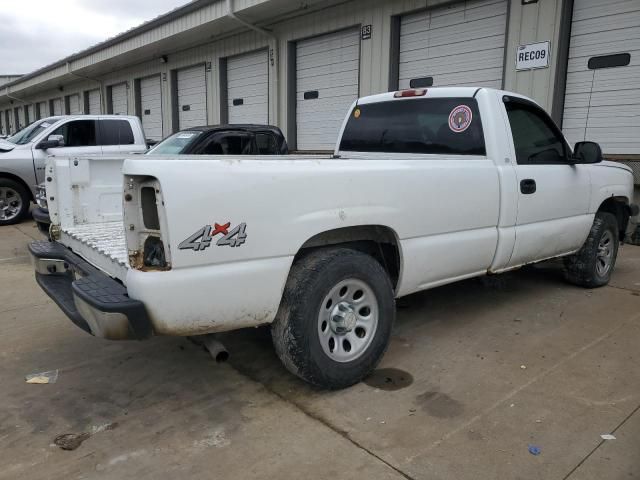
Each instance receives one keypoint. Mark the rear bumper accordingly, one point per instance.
(92, 300)
(41, 216)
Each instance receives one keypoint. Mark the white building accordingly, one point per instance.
(299, 65)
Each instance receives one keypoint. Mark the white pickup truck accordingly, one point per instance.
(426, 187)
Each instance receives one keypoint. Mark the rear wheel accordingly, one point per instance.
(593, 264)
(335, 318)
(14, 202)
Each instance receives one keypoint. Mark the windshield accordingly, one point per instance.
(176, 143)
(27, 134)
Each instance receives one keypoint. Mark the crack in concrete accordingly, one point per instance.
(317, 418)
(602, 442)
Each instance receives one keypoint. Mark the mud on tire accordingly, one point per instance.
(593, 264)
(314, 311)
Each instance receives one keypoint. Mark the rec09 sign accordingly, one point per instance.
(534, 55)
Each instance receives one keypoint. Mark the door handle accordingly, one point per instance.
(528, 186)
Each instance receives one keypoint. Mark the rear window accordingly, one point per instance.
(431, 125)
(176, 143)
(116, 132)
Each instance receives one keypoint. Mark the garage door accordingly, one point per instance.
(192, 97)
(151, 107)
(327, 82)
(462, 44)
(119, 103)
(93, 102)
(248, 88)
(20, 120)
(30, 114)
(57, 106)
(42, 110)
(603, 93)
(74, 105)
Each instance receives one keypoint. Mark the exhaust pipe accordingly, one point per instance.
(217, 350)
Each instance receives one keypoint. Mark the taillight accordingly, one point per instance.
(414, 92)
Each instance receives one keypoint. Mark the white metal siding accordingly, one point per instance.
(151, 107)
(31, 113)
(2, 129)
(248, 88)
(94, 102)
(119, 102)
(44, 109)
(602, 105)
(74, 105)
(57, 106)
(329, 65)
(192, 97)
(462, 44)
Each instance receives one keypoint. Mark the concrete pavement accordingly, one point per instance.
(476, 373)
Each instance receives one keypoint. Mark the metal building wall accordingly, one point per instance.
(527, 24)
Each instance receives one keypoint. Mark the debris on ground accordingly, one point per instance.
(43, 377)
(71, 441)
(607, 436)
(535, 450)
(523, 367)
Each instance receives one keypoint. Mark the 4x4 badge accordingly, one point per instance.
(201, 239)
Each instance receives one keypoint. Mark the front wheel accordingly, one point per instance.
(335, 319)
(593, 264)
(14, 202)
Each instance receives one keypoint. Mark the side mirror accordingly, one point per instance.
(587, 152)
(52, 142)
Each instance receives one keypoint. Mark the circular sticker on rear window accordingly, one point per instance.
(460, 118)
(356, 113)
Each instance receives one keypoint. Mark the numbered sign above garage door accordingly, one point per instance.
(191, 85)
(151, 107)
(462, 44)
(93, 102)
(327, 83)
(602, 97)
(119, 99)
(248, 88)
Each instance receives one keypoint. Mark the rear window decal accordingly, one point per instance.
(460, 118)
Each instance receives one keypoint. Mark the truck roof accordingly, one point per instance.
(433, 92)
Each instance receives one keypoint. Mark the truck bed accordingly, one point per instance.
(102, 244)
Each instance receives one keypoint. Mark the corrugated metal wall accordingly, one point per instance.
(527, 23)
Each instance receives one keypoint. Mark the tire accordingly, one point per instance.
(314, 310)
(593, 264)
(14, 202)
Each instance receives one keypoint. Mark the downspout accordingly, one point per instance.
(276, 53)
(103, 106)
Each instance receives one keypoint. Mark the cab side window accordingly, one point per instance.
(78, 133)
(266, 144)
(536, 139)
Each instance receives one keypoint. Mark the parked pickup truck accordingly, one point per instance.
(426, 187)
(209, 140)
(23, 156)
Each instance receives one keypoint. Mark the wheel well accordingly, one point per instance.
(619, 207)
(17, 179)
(378, 241)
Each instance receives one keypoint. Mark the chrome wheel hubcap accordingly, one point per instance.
(10, 203)
(604, 257)
(348, 320)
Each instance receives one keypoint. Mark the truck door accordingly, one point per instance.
(553, 194)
